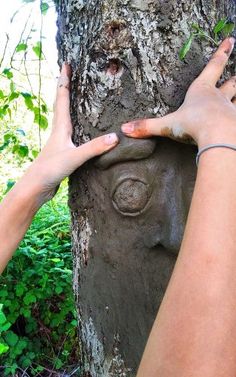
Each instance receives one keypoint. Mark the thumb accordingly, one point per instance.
(93, 148)
(141, 128)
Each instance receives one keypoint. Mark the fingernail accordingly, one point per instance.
(232, 41)
(127, 128)
(111, 139)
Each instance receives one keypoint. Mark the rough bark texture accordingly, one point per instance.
(129, 207)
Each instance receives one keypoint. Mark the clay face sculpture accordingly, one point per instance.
(140, 195)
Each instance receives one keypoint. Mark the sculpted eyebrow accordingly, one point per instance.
(128, 149)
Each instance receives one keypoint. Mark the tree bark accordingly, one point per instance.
(128, 208)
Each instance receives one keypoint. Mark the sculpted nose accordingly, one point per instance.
(174, 224)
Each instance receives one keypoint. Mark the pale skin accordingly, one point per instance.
(194, 334)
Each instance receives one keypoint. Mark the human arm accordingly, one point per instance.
(58, 159)
(195, 330)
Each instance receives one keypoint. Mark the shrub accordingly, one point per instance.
(38, 330)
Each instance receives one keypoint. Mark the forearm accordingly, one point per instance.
(16, 213)
(195, 331)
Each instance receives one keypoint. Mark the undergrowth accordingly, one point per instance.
(38, 333)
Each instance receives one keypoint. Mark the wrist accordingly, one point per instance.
(29, 190)
(226, 135)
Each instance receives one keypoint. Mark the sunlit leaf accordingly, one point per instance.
(34, 153)
(186, 47)
(40, 119)
(28, 100)
(10, 184)
(38, 49)
(220, 26)
(21, 47)
(44, 8)
(3, 348)
(21, 150)
(7, 72)
(13, 96)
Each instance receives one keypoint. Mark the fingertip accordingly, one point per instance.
(66, 70)
(128, 128)
(137, 129)
(227, 45)
(111, 139)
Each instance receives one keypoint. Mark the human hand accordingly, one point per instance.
(60, 157)
(208, 114)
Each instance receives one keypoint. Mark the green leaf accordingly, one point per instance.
(55, 260)
(40, 119)
(2, 318)
(10, 184)
(44, 108)
(38, 49)
(26, 362)
(186, 47)
(58, 364)
(4, 145)
(21, 150)
(196, 27)
(11, 338)
(29, 298)
(6, 326)
(44, 8)
(20, 289)
(12, 86)
(2, 96)
(58, 290)
(21, 47)
(13, 96)
(7, 72)
(220, 26)
(228, 29)
(28, 100)
(3, 348)
(34, 153)
(22, 344)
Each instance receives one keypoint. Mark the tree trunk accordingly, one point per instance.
(128, 207)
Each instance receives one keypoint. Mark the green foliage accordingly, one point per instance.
(16, 97)
(38, 49)
(44, 7)
(186, 47)
(223, 28)
(37, 314)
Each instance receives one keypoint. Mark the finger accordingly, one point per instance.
(214, 69)
(93, 148)
(229, 88)
(167, 126)
(234, 101)
(62, 120)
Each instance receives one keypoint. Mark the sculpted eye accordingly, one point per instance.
(131, 197)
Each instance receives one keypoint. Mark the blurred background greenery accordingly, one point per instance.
(38, 329)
